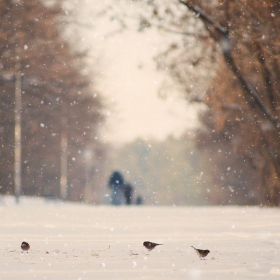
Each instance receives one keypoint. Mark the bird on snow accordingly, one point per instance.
(150, 245)
(201, 253)
(25, 246)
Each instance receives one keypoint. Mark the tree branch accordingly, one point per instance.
(168, 30)
(226, 50)
(205, 17)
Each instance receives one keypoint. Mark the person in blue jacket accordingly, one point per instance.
(116, 183)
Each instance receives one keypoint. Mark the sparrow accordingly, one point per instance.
(150, 245)
(201, 253)
(25, 246)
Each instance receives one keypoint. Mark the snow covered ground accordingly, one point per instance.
(73, 241)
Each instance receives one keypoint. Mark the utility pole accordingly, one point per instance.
(17, 152)
(88, 179)
(63, 159)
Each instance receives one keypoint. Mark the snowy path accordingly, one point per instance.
(74, 241)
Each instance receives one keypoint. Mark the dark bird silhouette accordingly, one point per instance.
(201, 253)
(25, 246)
(150, 245)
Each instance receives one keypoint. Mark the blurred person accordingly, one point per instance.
(139, 200)
(116, 183)
(127, 191)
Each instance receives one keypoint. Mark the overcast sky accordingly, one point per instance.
(128, 79)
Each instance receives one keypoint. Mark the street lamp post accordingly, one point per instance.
(88, 168)
(63, 160)
(17, 160)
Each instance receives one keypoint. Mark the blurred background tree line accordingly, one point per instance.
(225, 57)
(169, 172)
(60, 110)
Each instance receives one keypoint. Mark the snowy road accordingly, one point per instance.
(72, 241)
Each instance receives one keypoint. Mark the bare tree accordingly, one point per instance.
(238, 51)
(244, 96)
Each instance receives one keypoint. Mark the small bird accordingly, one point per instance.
(150, 245)
(201, 253)
(25, 246)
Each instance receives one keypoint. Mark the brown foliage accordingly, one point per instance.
(53, 89)
(254, 29)
(231, 64)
